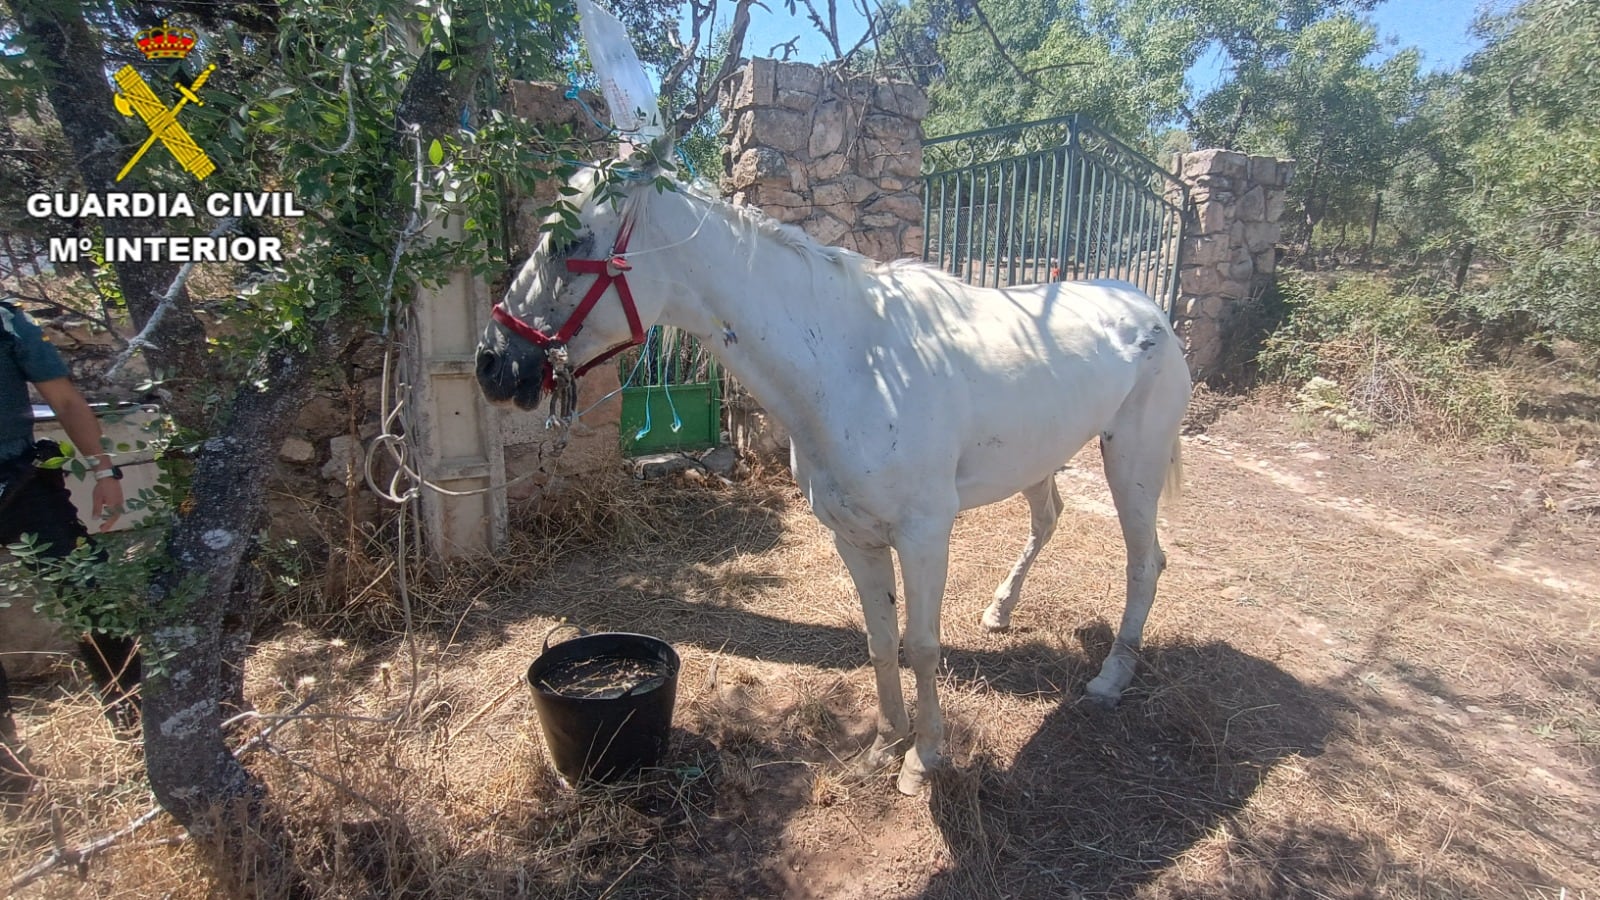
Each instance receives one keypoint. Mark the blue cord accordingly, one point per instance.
(644, 353)
(688, 163)
(573, 93)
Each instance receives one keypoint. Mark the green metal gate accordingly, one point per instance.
(671, 395)
(1053, 200)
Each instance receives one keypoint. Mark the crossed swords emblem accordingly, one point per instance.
(136, 97)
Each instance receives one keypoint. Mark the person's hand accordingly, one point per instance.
(107, 502)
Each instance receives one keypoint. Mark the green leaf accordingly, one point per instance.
(435, 152)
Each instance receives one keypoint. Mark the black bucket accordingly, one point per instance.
(605, 730)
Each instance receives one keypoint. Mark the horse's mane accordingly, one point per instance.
(753, 220)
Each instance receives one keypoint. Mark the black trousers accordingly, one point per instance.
(40, 504)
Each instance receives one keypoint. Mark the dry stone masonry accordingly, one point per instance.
(838, 155)
(1229, 254)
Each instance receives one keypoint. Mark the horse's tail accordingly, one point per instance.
(1172, 490)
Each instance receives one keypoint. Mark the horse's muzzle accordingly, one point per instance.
(515, 375)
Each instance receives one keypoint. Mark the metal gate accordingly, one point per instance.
(1053, 200)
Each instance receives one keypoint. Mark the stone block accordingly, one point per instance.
(759, 164)
(887, 127)
(911, 241)
(795, 76)
(297, 450)
(1201, 280)
(1206, 250)
(792, 215)
(889, 160)
(1223, 163)
(772, 198)
(881, 220)
(1212, 218)
(828, 126)
(1201, 305)
(547, 104)
(781, 129)
(1242, 268)
(830, 194)
(904, 205)
(858, 189)
(827, 228)
(1253, 205)
(1274, 210)
(796, 100)
(879, 244)
(902, 98)
(1266, 261)
(829, 167)
(344, 458)
(1202, 342)
(757, 84)
(1259, 236)
(1263, 170)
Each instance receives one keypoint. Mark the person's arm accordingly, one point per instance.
(83, 429)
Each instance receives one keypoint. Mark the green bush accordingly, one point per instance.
(1382, 361)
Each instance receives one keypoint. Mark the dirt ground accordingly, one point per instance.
(1373, 670)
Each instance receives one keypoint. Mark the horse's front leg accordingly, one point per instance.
(872, 569)
(924, 563)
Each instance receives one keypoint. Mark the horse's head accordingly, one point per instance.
(571, 296)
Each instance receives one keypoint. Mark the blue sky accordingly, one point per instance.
(1439, 28)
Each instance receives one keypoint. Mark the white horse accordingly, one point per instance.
(909, 396)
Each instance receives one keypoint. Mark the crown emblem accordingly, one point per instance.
(166, 42)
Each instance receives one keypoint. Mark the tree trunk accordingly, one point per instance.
(1372, 226)
(194, 774)
(1463, 264)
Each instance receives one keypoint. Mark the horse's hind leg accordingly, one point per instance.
(1044, 503)
(1136, 463)
(872, 570)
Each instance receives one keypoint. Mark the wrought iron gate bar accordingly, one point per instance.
(1058, 198)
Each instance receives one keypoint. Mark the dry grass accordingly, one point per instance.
(1326, 707)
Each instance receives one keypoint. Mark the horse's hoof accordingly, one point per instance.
(877, 759)
(1101, 696)
(870, 764)
(993, 621)
(911, 782)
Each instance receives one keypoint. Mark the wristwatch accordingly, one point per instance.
(103, 474)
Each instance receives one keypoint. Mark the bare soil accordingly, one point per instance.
(1373, 670)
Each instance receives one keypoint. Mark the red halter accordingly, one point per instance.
(607, 272)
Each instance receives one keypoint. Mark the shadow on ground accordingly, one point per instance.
(1098, 803)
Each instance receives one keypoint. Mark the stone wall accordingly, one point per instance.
(838, 155)
(1229, 254)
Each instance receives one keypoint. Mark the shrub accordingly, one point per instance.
(1383, 359)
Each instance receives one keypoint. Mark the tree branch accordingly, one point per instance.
(78, 857)
(699, 13)
(1001, 48)
(831, 33)
(730, 60)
